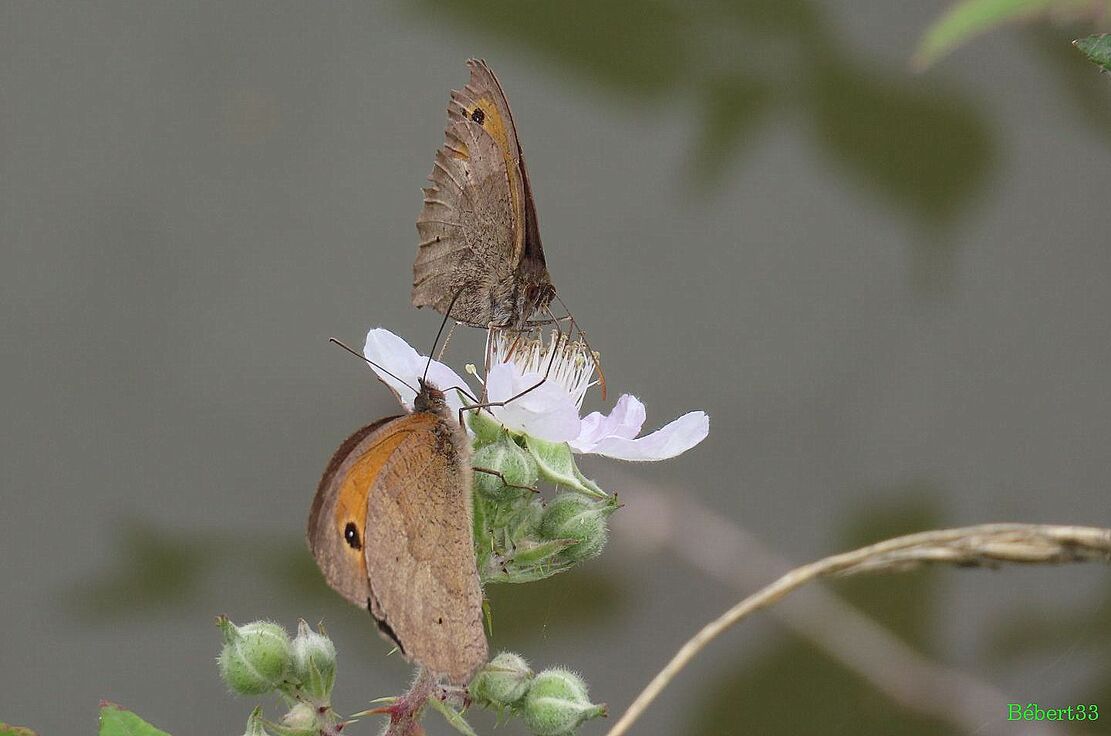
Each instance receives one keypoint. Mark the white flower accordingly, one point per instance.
(400, 367)
(615, 435)
(550, 409)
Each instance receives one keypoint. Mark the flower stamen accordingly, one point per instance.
(572, 363)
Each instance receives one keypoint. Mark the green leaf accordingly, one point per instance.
(6, 730)
(452, 716)
(557, 465)
(1097, 48)
(969, 18)
(115, 721)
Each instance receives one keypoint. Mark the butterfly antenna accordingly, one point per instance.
(439, 332)
(593, 355)
(363, 358)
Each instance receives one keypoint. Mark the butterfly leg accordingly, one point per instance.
(489, 404)
(498, 474)
(484, 403)
(582, 334)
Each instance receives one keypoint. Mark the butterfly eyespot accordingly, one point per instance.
(478, 116)
(351, 534)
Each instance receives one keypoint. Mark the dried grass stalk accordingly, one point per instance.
(986, 545)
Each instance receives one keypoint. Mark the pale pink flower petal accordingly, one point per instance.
(624, 420)
(670, 440)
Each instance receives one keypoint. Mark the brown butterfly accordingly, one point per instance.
(391, 529)
(479, 238)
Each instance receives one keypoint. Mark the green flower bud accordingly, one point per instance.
(314, 662)
(503, 681)
(557, 703)
(574, 516)
(301, 721)
(256, 657)
(518, 470)
(529, 517)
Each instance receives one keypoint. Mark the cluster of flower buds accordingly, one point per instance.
(553, 702)
(260, 658)
(518, 536)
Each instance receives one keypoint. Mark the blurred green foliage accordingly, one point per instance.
(7, 730)
(1037, 631)
(967, 19)
(791, 688)
(163, 570)
(918, 148)
(794, 688)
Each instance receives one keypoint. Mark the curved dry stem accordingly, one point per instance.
(987, 545)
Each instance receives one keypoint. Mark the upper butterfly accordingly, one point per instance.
(479, 238)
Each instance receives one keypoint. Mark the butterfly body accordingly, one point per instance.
(479, 236)
(391, 529)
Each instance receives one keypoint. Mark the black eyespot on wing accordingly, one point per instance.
(351, 534)
(478, 116)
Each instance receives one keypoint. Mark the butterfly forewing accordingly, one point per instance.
(419, 529)
(390, 528)
(494, 263)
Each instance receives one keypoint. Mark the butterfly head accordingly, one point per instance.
(429, 398)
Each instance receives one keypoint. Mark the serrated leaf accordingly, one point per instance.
(117, 721)
(452, 716)
(965, 20)
(1097, 48)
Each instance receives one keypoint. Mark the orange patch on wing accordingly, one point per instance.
(498, 128)
(358, 483)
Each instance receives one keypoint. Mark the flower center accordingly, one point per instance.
(572, 363)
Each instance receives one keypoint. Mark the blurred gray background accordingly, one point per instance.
(890, 291)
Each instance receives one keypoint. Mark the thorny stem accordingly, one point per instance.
(985, 545)
(405, 712)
